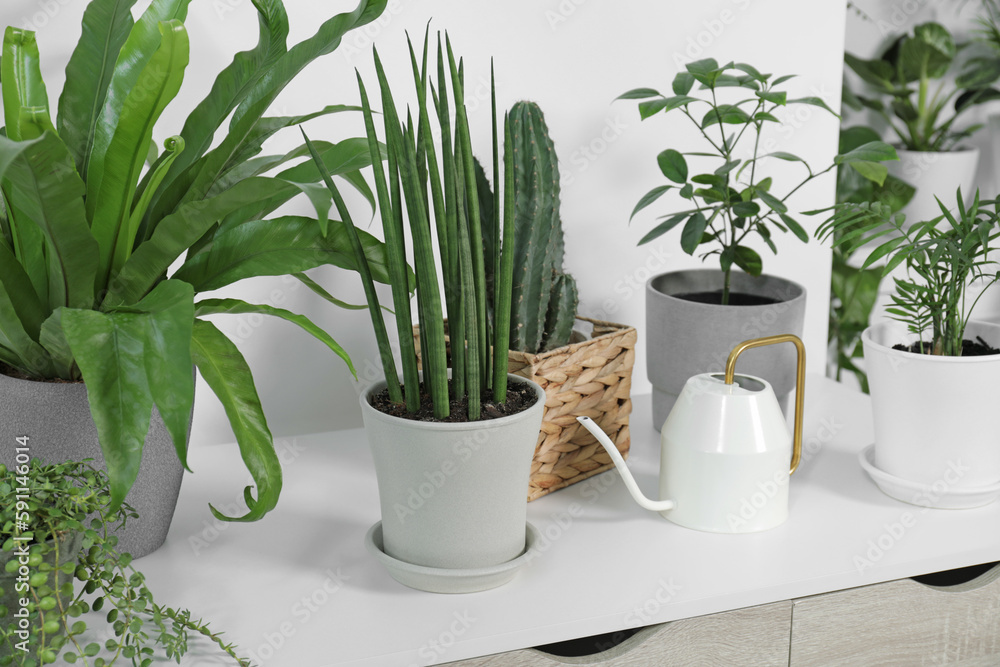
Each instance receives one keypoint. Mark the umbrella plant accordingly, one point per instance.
(94, 214)
(437, 184)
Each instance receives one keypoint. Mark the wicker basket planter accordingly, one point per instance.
(590, 377)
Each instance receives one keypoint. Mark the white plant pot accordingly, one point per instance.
(937, 419)
(935, 175)
(453, 495)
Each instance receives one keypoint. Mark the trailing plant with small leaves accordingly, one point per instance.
(437, 184)
(734, 202)
(942, 257)
(61, 562)
(903, 75)
(544, 297)
(853, 290)
(89, 231)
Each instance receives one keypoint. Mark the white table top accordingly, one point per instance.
(298, 589)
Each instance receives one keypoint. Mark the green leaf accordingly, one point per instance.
(727, 167)
(693, 230)
(179, 231)
(649, 198)
(44, 186)
(106, 26)
(878, 73)
(673, 165)
(649, 108)
(748, 260)
(108, 347)
(873, 151)
(32, 356)
(873, 171)
(230, 88)
(663, 228)
(752, 71)
(746, 209)
(142, 43)
(317, 289)
(288, 244)
(764, 116)
(794, 227)
(110, 194)
(772, 202)
(774, 96)
(682, 84)
(928, 52)
(237, 307)
(225, 370)
(814, 101)
(24, 300)
(782, 155)
(21, 81)
(169, 319)
(705, 71)
(638, 94)
(725, 113)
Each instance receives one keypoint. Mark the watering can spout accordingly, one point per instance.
(616, 458)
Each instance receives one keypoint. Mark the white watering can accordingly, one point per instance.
(725, 450)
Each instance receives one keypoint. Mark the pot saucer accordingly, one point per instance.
(446, 580)
(926, 495)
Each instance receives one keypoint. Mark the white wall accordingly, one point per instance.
(573, 57)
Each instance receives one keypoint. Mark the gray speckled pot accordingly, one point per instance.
(685, 338)
(453, 495)
(56, 417)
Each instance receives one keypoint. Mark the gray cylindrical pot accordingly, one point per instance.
(685, 338)
(56, 418)
(453, 495)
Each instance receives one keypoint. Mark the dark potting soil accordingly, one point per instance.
(735, 298)
(520, 397)
(976, 348)
(10, 371)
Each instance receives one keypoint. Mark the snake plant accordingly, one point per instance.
(437, 184)
(93, 215)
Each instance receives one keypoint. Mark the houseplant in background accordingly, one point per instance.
(73, 566)
(694, 318)
(585, 372)
(915, 96)
(854, 291)
(87, 237)
(452, 458)
(933, 370)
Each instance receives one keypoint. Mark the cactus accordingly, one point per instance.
(544, 298)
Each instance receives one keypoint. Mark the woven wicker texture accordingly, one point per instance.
(593, 378)
(590, 378)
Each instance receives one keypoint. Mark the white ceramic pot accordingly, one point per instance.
(937, 419)
(453, 495)
(935, 174)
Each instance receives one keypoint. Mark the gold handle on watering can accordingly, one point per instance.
(800, 382)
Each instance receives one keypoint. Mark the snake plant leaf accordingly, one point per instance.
(237, 307)
(155, 87)
(21, 81)
(45, 188)
(106, 26)
(288, 244)
(168, 314)
(227, 374)
(178, 232)
(109, 349)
